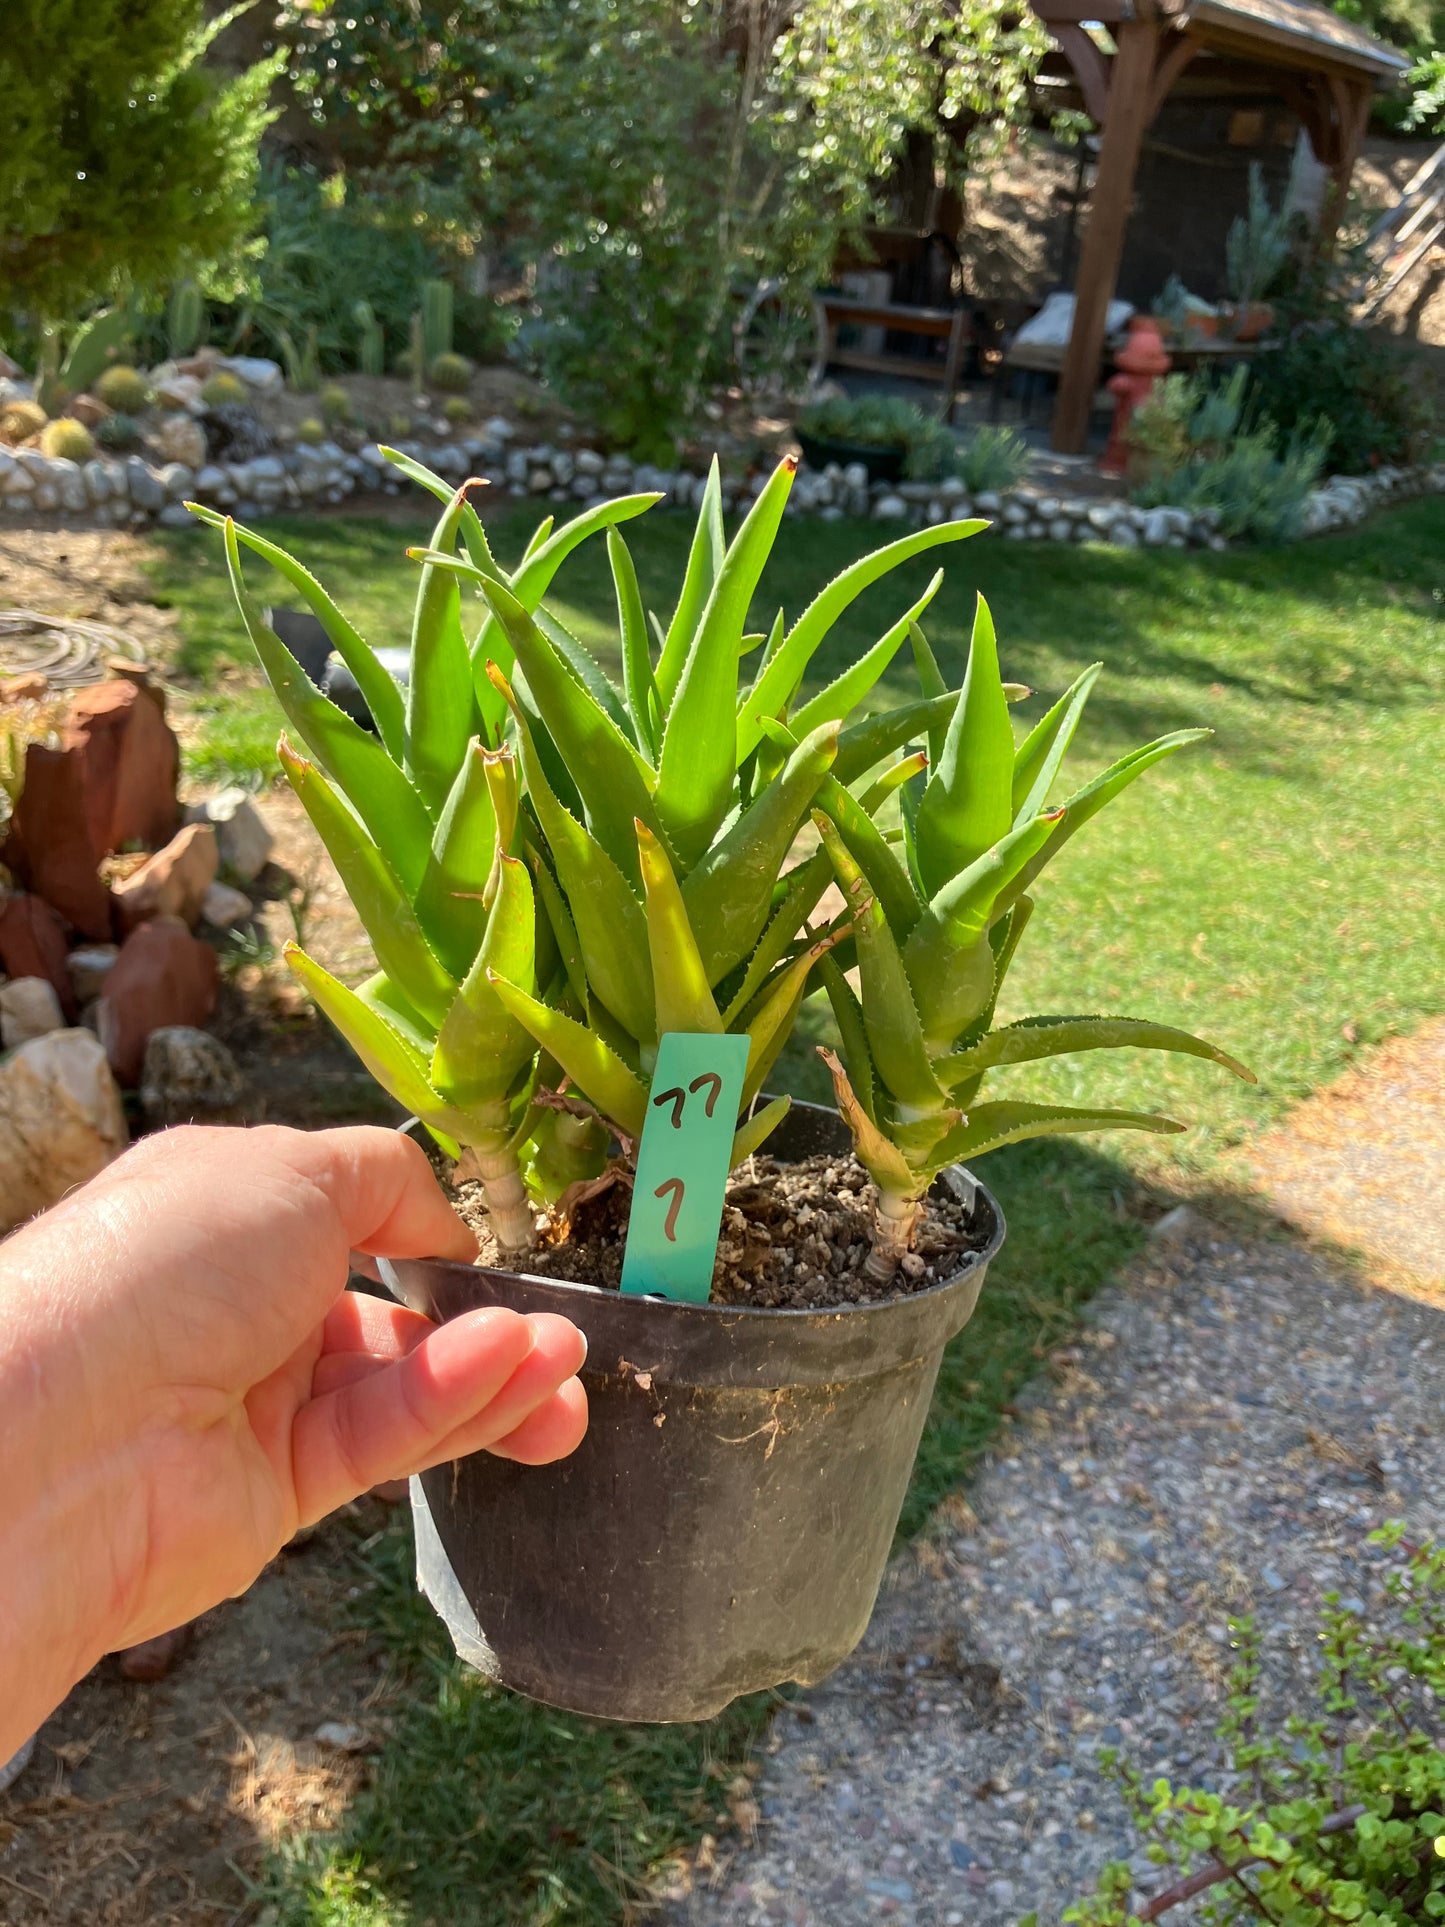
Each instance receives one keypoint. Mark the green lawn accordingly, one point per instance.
(1280, 889)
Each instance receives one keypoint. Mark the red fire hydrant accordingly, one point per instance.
(1140, 362)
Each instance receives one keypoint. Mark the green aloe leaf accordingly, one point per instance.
(755, 1132)
(1038, 1037)
(770, 1019)
(903, 771)
(679, 981)
(843, 695)
(890, 1015)
(730, 893)
(611, 927)
(1041, 753)
(587, 669)
(380, 994)
(392, 1059)
(880, 1158)
(704, 565)
(886, 875)
(779, 678)
(380, 793)
(481, 1047)
(802, 888)
(848, 1015)
(988, 1126)
(564, 931)
(377, 685)
(698, 767)
(643, 702)
(439, 715)
(600, 1075)
(450, 904)
(374, 889)
(967, 805)
(473, 534)
(864, 744)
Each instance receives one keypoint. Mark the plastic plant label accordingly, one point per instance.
(682, 1165)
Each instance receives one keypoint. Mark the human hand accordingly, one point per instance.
(184, 1381)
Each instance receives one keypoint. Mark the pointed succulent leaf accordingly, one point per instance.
(380, 793)
(880, 1158)
(903, 771)
(439, 721)
(587, 669)
(698, 767)
(1038, 1037)
(600, 1075)
(473, 534)
(730, 893)
(377, 685)
(481, 1047)
(802, 888)
(988, 1126)
(638, 681)
(864, 744)
(374, 889)
(890, 1015)
(770, 1019)
(679, 980)
(605, 766)
(886, 875)
(392, 1058)
(780, 677)
(967, 805)
(843, 695)
(755, 1131)
(450, 903)
(704, 565)
(848, 1016)
(1041, 753)
(611, 927)
(564, 931)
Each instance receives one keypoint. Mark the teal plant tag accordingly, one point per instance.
(682, 1164)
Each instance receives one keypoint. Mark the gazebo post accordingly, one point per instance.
(1129, 113)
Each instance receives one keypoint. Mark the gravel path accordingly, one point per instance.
(1219, 1439)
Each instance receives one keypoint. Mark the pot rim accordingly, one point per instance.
(956, 1176)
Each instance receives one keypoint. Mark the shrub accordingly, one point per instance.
(311, 431)
(1363, 388)
(884, 421)
(1253, 487)
(457, 409)
(20, 420)
(123, 388)
(993, 458)
(118, 431)
(69, 439)
(335, 404)
(224, 390)
(449, 372)
(1332, 1811)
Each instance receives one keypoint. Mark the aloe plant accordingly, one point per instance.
(935, 927)
(555, 872)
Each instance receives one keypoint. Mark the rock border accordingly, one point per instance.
(128, 492)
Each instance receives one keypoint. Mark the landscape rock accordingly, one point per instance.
(32, 944)
(889, 508)
(145, 490)
(29, 1007)
(187, 1076)
(242, 838)
(173, 882)
(61, 1121)
(163, 976)
(223, 908)
(49, 850)
(257, 371)
(130, 761)
(89, 965)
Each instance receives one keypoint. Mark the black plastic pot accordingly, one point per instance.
(725, 1523)
(882, 464)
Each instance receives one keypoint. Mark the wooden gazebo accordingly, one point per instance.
(1324, 69)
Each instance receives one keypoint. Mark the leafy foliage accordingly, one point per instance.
(1375, 405)
(993, 457)
(125, 156)
(1332, 1814)
(1257, 245)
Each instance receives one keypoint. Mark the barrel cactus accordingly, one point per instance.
(20, 420)
(451, 373)
(124, 389)
(67, 439)
(223, 390)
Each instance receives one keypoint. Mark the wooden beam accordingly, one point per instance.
(1131, 84)
(1352, 111)
(1061, 11)
(1091, 68)
(1174, 56)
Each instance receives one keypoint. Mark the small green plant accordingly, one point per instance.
(67, 439)
(457, 409)
(185, 318)
(1158, 430)
(371, 343)
(868, 421)
(399, 426)
(118, 431)
(91, 347)
(452, 374)
(1334, 1813)
(19, 420)
(224, 390)
(993, 458)
(416, 357)
(1257, 245)
(335, 405)
(303, 364)
(311, 431)
(436, 309)
(123, 388)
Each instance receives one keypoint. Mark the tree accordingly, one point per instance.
(125, 160)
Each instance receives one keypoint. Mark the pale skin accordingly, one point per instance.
(184, 1382)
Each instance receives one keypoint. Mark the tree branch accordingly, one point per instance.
(1207, 1877)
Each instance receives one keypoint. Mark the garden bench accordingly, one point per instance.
(942, 324)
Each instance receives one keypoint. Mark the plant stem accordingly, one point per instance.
(894, 1222)
(514, 1222)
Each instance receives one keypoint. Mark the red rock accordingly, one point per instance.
(173, 882)
(131, 760)
(162, 976)
(49, 850)
(154, 1658)
(32, 944)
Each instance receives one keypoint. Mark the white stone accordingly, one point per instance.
(988, 502)
(89, 965)
(143, 486)
(175, 515)
(1061, 529)
(17, 481)
(539, 480)
(29, 1008)
(1156, 529)
(61, 1121)
(187, 1074)
(97, 482)
(585, 487)
(855, 475)
(256, 371)
(177, 480)
(1015, 514)
(1048, 507)
(498, 429)
(1124, 535)
(589, 462)
(832, 513)
(243, 841)
(70, 486)
(890, 508)
(46, 498)
(564, 465)
(517, 467)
